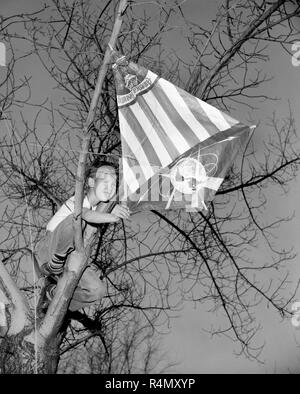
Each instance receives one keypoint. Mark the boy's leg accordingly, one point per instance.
(54, 252)
(53, 249)
(51, 254)
(62, 243)
(43, 252)
(89, 290)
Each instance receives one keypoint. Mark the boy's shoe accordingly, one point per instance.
(46, 295)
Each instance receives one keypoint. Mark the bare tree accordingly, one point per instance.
(129, 348)
(152, 264)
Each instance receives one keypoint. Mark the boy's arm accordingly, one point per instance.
(96, 217)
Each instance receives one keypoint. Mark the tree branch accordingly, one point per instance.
(238, 44)
(20, 315)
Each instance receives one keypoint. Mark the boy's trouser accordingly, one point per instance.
(60, 242)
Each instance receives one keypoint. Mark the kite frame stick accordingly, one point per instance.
(90, 117)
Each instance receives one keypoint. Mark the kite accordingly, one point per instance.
(176, 148)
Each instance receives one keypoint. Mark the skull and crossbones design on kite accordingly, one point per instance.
(190, 176)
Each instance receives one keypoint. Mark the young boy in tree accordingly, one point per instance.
(59, 239)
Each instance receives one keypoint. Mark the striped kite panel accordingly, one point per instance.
(159, 122)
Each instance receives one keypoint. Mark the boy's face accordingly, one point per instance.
(105, 183)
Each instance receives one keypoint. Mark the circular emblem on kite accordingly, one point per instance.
(191, 176)
(188, 175)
